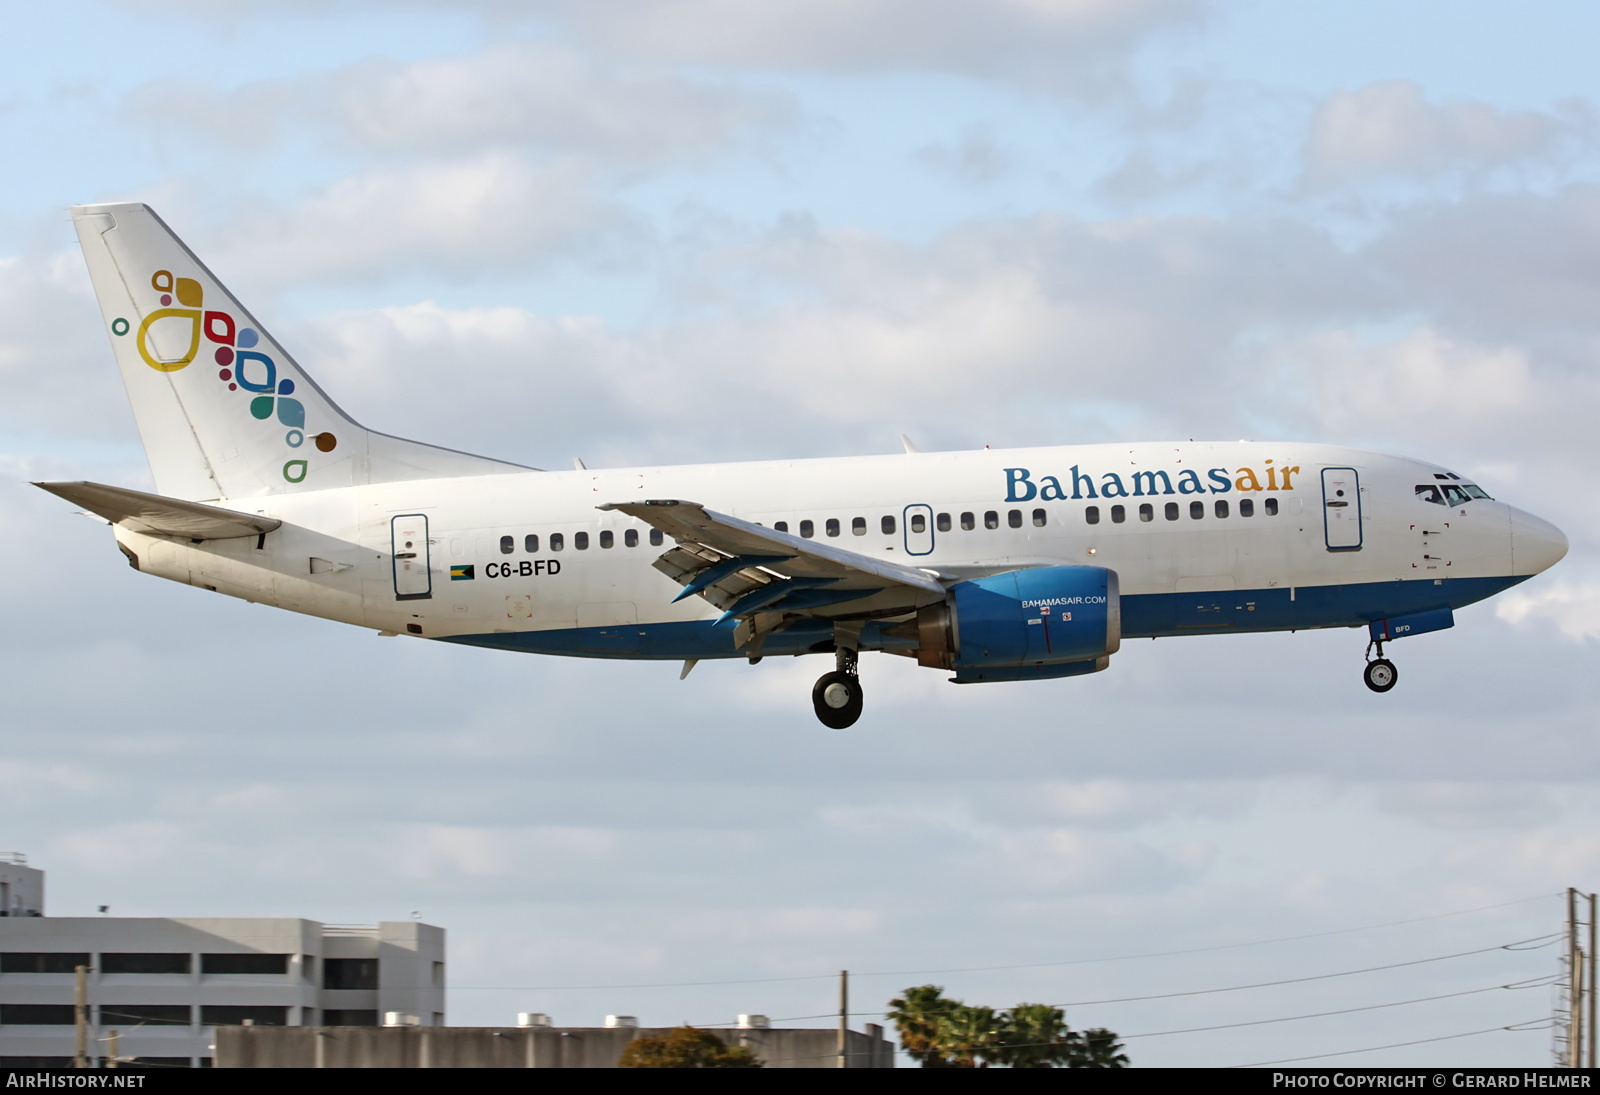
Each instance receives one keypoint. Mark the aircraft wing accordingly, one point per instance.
(143, 512)
(745, 568)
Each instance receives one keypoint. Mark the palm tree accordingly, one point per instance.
(1037, 1036)
(971, 1037)
(1098, 1048)
(916, 1014)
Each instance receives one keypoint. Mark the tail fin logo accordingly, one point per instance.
(169, 340)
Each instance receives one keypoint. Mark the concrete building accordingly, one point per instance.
(521, 1047)
(167, 985)
(21, 886)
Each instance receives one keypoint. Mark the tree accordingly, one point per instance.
(970, 1037)
(1037, 1036)
(686, 1047)
(916, 1013)
(1099, 1048)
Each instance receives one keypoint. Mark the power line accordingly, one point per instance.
(1020, 966)
(1527, 1025)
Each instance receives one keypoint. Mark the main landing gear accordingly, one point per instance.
(1380, 673)
(837, 695)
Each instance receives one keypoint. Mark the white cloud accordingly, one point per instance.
(1390, 128)
(1572, 607)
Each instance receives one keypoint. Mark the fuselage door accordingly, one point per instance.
(919, 529)
(1341, 509)
(412, 580)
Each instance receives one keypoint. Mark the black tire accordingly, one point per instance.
(845, 714)
(1380, 675)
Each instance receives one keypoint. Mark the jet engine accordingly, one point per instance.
(1024, 624)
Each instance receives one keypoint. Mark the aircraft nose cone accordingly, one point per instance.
(1536, 545)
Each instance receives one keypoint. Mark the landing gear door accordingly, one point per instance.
(412, 579)
(1341, 509)
(919, 529)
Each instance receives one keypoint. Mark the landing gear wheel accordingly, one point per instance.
(837, 699)
(1380, 674)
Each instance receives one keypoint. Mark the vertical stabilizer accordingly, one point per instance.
(222, 410)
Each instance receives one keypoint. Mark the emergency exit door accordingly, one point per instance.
(1341, 509)
(412, 579)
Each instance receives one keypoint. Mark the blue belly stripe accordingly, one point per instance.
(1143, 616)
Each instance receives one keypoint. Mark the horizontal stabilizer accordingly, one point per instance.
(153, 513)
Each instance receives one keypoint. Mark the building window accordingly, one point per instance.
(967, 522)
(1091, 515)
(244, 963)
(942, 522)
(508, 544)
(1039, 518)
(530, 543)
(164, 1015)
(1247, 507)
(1272, 507)
(630, 538)
(41, 962)
(349, 1017)
(557, 541)
(438, 975)
(233, 1015)
(832, 527)
(308, 967)
(1172, 511)
(991, 519)
(38, 1015)
(887, 525)
(606, 539)
(349, 973)
(1197, 510)
(144, 963)
(1147, 512)
(1221, 507)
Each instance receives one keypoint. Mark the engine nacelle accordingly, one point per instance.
(1038, 616)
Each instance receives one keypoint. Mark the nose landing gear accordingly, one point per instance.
(837, 696)
(1380, 673)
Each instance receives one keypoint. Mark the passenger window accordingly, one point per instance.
(508, 544)
(530, 543)
(606, 539)
(942, 522)
(1014, 518)
(1271, 506)
(1039, 518)
(858, 526)
(1146, 512)
(1091, 515)
(631, 538)
(887, 525)
(919, 523)
(1427, 492)
(557, 541)
(1118, 515)
(580, 540)
(1247, 507)
(832, 527)
(781, 526)
(807, 529)
(1172, 511)
(1197, 510)
(1222, 507)
(991, 519)
(967, 522)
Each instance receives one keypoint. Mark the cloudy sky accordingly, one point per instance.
(670, 231)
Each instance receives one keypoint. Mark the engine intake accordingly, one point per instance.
(1038, 616)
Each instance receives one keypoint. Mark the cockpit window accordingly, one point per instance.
(1475, 491)
(1456, 495)
(1427, 492)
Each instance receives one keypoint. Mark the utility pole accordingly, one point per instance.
(844, 1018)
(1592, 986)
(1575, 971)
(80, 1019)
(111, 1050)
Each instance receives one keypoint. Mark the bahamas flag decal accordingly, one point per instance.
(462, 574)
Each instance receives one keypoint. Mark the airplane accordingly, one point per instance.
(991, 565)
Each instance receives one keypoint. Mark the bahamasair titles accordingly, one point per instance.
(1019, 565)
